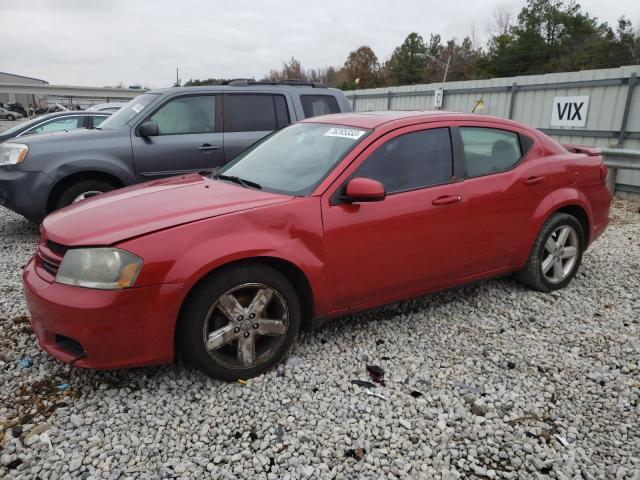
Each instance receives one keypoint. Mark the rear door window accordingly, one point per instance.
(314, 105)
(255, 112)
(489, 150)
(411, 161)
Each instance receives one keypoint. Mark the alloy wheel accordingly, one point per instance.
(246, 325)
(560, 254)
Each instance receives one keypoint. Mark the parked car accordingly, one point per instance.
(9, 114)
(158, 134)
(16, 107)
(55, 122)
(326, 217)
(111, 107)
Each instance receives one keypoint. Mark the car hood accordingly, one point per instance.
(129, 212)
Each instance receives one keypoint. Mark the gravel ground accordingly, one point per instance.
(6, 124)
(486, 381)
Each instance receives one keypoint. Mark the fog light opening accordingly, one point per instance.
(70, 345)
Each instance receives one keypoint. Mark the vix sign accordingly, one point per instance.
(569, 111)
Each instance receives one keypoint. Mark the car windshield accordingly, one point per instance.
(126, 113)
(296, 159)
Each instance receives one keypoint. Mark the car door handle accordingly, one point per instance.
(446, 200)
(207, 147)
(533, 180)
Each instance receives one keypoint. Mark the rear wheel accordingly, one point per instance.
(82, 190)
(556, 254)
(240, 322)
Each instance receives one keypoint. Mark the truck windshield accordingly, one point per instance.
(126, 113)
(296, 159)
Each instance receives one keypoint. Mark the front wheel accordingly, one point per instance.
(240, 322)
(556, 254)
(81, 191)
(11, 118)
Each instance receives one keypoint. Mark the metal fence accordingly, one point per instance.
(620, 159)
(611, 119)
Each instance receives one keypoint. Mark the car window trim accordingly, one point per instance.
(49, 121)
(463, 158)
(174, 97)
(335, 197)
(43, 122)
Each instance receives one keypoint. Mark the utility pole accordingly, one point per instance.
(177, 79)
(446, 70)
(439, 93)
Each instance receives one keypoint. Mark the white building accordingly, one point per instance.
(23, 98)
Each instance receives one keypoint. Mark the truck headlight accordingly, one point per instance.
(101, 268)
(12, 153)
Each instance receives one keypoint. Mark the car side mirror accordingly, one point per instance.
(364, 190)
(148, 129)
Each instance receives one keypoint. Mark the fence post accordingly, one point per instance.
(627, 106)
(389, 100)
(353, 103)
(512, 99)
(612, 173)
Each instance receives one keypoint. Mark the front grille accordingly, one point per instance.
(56, 248)
(51, 268)
(50, 255)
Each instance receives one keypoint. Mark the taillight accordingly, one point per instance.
(603, 173)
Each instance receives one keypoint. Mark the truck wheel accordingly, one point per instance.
(240, 322)
(81, 191)
(556, 254)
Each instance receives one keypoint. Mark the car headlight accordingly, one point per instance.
(101, 268)
(12, 153)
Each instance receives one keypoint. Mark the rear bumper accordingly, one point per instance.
(24, 192)
(105, 329)
(601, 205)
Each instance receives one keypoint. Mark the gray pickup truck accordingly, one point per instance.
(158, 134)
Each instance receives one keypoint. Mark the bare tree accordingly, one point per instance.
(291, 70)
(502, 20)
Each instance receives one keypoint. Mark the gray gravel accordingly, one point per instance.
(7, 124)
(485, 381)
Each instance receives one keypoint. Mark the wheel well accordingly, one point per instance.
(63, 184)
(292, 273)
(582, 217)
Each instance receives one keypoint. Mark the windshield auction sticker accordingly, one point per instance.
(137, 107)
(352, 133)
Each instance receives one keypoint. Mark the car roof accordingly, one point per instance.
(390, 118)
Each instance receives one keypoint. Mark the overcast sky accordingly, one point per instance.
(103, 42)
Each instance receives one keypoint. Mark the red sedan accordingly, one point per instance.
(324, 218)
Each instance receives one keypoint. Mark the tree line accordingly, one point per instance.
(547, 36)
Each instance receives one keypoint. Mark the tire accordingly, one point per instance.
(11, 118)
(543, 272)
(74, 191)
(203, 313)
